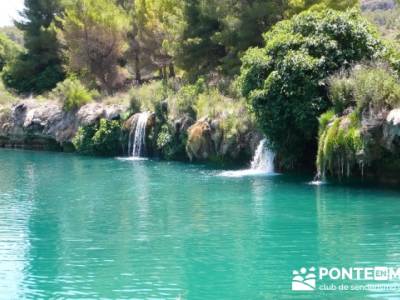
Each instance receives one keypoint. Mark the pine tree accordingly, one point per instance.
(39, 68)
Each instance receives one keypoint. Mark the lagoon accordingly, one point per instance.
(87, 228)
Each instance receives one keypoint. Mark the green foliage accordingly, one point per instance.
(185, 99)
(170, 144)
(107, 139)
(285, 82)
(14, 34)
(341, 91)
(297, 6)
(148, 96)
(166, 142)
(8, 50)
(39, 69)
(5, 96)
(215, 34)
(324, 120)
(93, 33)
(72, 93)
(340, 143)
(365, 87)
(231, 113)
(83, 139)
(99, 139)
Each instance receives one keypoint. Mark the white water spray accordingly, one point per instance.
(137, 142)
(262, 164)
(263, 159)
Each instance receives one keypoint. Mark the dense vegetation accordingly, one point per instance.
(103, 138)
(109, 43)
(363, 90)
(39, 68)
(287, 61)
(285, 81)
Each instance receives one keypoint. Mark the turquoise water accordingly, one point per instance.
(83, 228)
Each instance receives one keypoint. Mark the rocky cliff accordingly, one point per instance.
(31, 124)
(369, 147)
(44, 125)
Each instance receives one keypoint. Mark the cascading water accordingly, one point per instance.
(263, 159)
(262, 163)
(137, 142)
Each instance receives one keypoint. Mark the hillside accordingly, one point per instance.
(372, 5)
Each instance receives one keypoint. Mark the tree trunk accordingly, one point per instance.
(137, 69)
(171, 70)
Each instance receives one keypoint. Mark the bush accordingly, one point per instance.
(72, 93)
(148, 96)
(365, 87)
(8, 50)
(107, 139)
(5, 96)
(99, 139)
(170, 144)
(83, 139)
(232, 113)
(285, 82)
(184, 100)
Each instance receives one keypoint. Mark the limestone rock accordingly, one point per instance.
(199, 145)
(391, 130)
(46, 121)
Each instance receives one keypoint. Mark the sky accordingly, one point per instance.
(9, 11)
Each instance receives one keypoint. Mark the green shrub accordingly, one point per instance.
(184, 100)
(285, 82)
(83, 139)
(107, 139)
(9, 50)
(378, 87)
(99, 139)
(232, 113)
(341, 92)
(170, 144)
(365, 87)
(5, 96)
(72, 93)
(148, 96)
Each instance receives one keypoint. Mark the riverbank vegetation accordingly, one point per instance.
(262, 65)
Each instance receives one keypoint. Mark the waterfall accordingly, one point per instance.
(137, 142)
(263, 159)
(262, 163)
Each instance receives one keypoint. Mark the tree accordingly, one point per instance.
(285, 81)
(39, 68)
(154, 28)
(215, 34)
(297, 6)
(93, 33)
(8, 50)
(196, 52)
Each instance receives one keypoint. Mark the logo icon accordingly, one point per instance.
(304, 280)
